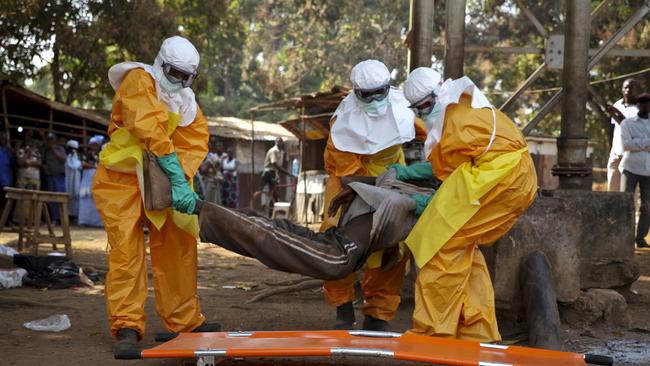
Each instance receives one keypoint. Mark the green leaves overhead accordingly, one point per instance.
(255, 51)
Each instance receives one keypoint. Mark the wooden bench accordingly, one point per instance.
(31, 206)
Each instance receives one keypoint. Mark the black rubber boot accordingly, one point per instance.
(370, 323)
(207, 328)
(126, 347)
(641, 243)
(345, 316)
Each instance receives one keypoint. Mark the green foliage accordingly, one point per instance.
(256, 51)
(84, 38)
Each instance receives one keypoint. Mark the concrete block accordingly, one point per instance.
(550, 226)
(587, 237)
(606, 244)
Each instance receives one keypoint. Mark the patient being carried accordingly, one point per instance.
(375, 217)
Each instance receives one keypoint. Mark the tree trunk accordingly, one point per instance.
(56, 72)
(72, 90)
(226, 88)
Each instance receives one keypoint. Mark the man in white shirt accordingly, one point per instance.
(274, 164)
(635, 165)
(622, 109)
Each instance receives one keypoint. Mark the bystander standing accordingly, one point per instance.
(88, 214)
(230, 189)
(28, 156)
(7, 163)
(73, 177)
(54, 168)
(622, 109)
(635, 165)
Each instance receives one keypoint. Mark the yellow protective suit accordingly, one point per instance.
(454, 296)
(136, 109)
(381, 289)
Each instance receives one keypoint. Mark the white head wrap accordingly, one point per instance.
(421, 83)
(179, 52)
(97, 139)
(369, 74)
(448, 93)
(72, 144)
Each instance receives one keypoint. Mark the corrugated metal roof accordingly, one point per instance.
(328, 100)
(236, 128)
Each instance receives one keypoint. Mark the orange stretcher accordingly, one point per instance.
(208, 347)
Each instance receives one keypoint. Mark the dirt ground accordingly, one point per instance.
(88, 341)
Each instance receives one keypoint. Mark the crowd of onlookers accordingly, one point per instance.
(43, 161)
(216, 180)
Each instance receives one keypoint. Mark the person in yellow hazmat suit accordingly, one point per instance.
(154, 109)
(488, 181)
(366, 133)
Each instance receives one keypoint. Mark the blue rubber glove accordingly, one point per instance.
(416, 171)
(183, 199)
(421, 201)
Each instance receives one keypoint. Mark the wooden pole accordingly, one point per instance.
(84, 133)
(5, 113)
(51, 119)
(455, 39)
(421, 34)
(252, 174)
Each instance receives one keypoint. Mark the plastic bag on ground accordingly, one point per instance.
(10, 278)
(54, 323)
(9, 251)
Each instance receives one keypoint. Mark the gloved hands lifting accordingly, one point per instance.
(183, 198)
(421, 203)
(416, 171)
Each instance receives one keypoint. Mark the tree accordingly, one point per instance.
(302, 46)
(218, 30)
(84, 38)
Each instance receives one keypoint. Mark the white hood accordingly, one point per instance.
(450, 93)
(183, 102)
(356, 132)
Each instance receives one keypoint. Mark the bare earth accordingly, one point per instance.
(88, 341)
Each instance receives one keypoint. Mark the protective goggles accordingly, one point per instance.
(369, 95)
(176, 75)
(425, 105)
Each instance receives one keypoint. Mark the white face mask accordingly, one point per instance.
(433, 115)
(376, 107)
(169, 87)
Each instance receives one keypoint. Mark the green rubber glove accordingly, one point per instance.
(183, 199)
(416, 171)
(421, 201)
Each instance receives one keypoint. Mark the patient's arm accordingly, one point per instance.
(358, 229)
(343, 199)
(361, 179)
